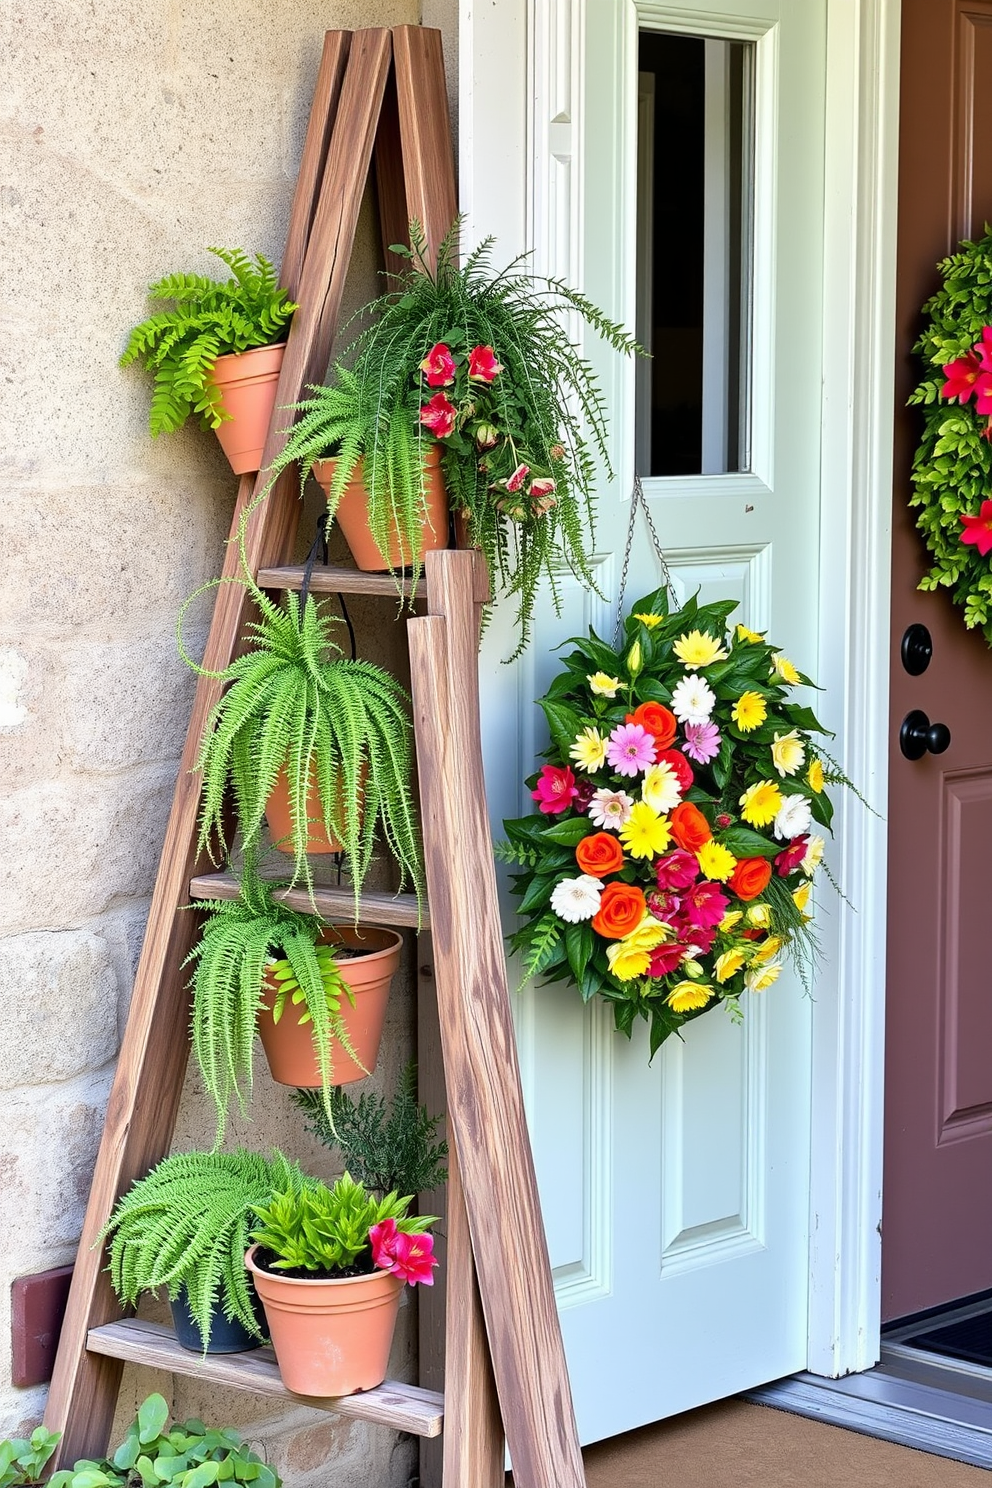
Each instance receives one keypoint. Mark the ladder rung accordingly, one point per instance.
(375, 907)
(403, 1407)
(330, 580)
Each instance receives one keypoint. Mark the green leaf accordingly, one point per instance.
(564, 723)
(744, 843)
(568, 833)
(153, 1413)
(579, 941)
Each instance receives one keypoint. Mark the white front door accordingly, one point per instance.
(675, 1195)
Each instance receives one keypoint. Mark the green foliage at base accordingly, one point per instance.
(23, 1460)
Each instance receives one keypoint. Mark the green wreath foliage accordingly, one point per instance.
(952, 467)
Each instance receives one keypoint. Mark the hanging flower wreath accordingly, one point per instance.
(952, 467)
(667, 864)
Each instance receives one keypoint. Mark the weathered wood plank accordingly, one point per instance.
(320, 127)
(376, 906)
(326, 579)
(403, 1407)
(485, 1101)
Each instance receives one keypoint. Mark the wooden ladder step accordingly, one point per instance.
(327, 579)
(375, 906)
(403, 1407)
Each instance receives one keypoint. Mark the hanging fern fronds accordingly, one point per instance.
(211, 318)
(186, 1224)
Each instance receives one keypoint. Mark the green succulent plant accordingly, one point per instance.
(23, 1459)
(185, 1225)
(242, 938)
(327, 720)
(320, 1229)
(209, 318)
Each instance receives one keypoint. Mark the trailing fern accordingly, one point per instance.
(186, 1224)
(210, 318)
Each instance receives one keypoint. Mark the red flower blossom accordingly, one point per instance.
(439, 416)
(978, 530)
(961, 377)
(482, 364)
(677, 871)
(983, 393)
(680, 767)
(518, 477)
(705, 905)
(790, 857)
(664, 958)
(409, 1256)
(983, 349)
(438, 366)
(543, 486)
(555, 789)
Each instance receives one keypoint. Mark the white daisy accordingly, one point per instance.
(693, 700)
(609, 808)
(576, 899)
(793, 818)
(660, 788)
(814, 856)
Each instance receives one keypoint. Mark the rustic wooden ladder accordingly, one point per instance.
(378, 92)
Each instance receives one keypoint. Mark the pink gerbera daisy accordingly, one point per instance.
(630, 749)
(702, 742)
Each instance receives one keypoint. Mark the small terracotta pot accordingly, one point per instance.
(329, 1337)
(352, 516)
(288, 1044)
(280, 820)
(247, 383)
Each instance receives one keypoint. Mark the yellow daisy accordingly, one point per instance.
(788, 752)
(688, 996)
(767, 949)
(782, 667)
(698, 649)
(631, 956)
(660, 787)
(589, 750)
(749, 712)
(726, 965)
(800, 896)
(762, 976)
(645, 833)
(814, 856)
(603, 685)
(743, 634)
(649, 620)
(730, 920)
(760, 916)
(715, 861)
(760, 803)
(815, 775)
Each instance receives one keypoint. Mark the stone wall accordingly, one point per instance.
(134, 135)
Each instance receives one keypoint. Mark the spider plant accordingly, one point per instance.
(186, 1224)
(241, 940)
(479, 362)
(328, 721)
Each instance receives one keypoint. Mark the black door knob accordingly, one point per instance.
(916, 650)
(918, 735)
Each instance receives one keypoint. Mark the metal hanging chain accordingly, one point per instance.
(638, 500)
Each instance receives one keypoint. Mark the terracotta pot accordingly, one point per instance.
(288, 1044)
(329, 1337)
(279, 818)
(247, 383)
(352, 516)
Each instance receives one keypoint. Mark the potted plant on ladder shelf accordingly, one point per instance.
(217, 353)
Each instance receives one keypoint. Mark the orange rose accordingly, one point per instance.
(689, 826)
(749, 877)
(621, 909)
(599, 854)
(658, 721)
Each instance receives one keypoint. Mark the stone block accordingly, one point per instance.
(59, 992)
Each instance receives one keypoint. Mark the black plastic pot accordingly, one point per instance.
(225, 1337)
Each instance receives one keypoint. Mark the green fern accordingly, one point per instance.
(370, 410)
(211, 318)
(239, 940)
(186, 1224)
(383, 1150)
(336, 723)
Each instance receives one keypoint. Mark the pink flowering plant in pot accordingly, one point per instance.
(479, 364)
(667, 862)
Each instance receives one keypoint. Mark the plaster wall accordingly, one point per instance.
(133, 135)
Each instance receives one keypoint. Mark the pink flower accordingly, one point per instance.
(664, 958)
(482, 364)
(978, 530)
(408, 1256)
(983, 349)
(518, 477)
(439, 416)
(723, 820)
(790, 857)
(664, 906)
(438, 366)
(705, 905)
(702, 742)
(630, 749)
(677, 871)
(542, 486)
(698, 942)
(961, 377)
(555, 789)
(983, 393)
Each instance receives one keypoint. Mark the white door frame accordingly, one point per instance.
(519, 101)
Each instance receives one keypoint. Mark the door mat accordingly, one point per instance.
(969, 1339)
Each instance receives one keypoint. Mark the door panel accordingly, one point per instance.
(676, 1194)
(937, 1193)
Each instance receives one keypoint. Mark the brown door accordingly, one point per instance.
(937, 1196)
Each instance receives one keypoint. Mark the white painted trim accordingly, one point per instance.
(848, 1017)
(496, 153)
